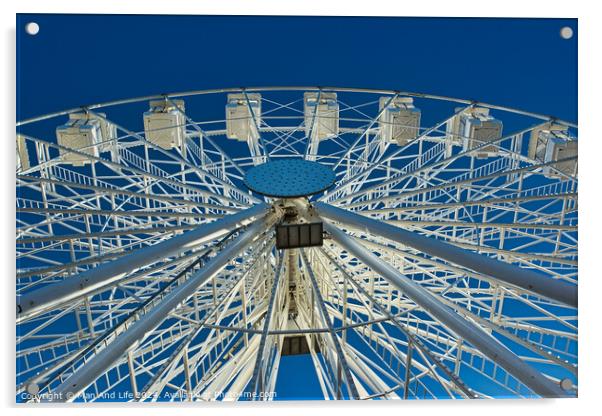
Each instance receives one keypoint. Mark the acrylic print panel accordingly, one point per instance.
(441, 263)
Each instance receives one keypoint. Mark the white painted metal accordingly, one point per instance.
(88, 133)
(134, 335)
(553, 142)
(321, 119)
(91, 280)
(474, 126)
(164, 123)
(243, 121)
(400, 120)
(239, 118)
(464, 328)
(22, 154)
(136, 200)
(526, 279)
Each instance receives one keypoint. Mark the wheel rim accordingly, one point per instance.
(131, 194)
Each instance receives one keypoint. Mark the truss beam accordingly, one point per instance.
(485, 343)
(528, 280)
(82, 284)
(335, 340)
(99, 364)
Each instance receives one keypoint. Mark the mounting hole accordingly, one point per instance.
(33, 388)
(566, 32)
(566, 384)
(32, 28)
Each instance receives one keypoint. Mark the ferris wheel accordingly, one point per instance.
(186, 247)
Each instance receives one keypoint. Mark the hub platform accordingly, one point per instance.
(289, 178)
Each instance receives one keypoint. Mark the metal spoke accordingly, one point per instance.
(148, 267)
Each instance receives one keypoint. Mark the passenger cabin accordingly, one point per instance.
(400, 121)
(552, 142)
(243, 117)
(88, 133)
(473, 127)
(23, 162)
(165, 123)
(321, 110)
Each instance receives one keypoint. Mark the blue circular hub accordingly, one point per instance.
(289, 178)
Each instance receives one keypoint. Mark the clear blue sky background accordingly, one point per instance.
(84, 59)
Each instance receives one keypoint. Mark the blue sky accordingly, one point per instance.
(84, 59)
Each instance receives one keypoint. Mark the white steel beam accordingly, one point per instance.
(412, 340)
(99, 364)
(528, 280)
(481, 340)
(82, 284)
(258, 379)
(342, 360)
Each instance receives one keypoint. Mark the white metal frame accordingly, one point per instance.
(150, 274)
